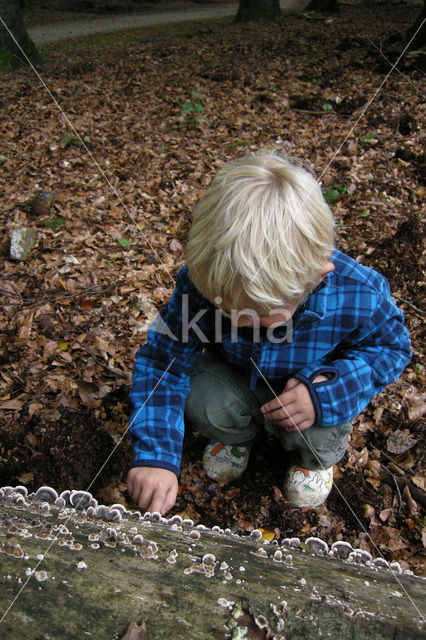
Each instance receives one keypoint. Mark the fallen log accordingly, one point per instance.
(70, 568)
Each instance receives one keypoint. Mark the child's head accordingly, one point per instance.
(261, 232)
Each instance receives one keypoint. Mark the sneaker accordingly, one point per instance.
(306, 488)
(225, 461)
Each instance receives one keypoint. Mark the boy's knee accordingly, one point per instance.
(218, 410)
(318, 447)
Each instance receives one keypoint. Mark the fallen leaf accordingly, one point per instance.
(14, 404)
(27, 477)
(111, 495)
(416, 412)
(176, 246)
(87, 391)
(419, 480)
(267, 535)
(411, 504)
(384, 515)
(191, 513)
(135, 632)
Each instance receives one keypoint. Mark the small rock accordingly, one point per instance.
(22, 241)
(400, 442)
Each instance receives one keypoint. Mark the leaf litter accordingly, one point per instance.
(160, 111)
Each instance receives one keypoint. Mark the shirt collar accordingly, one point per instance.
(313, 308)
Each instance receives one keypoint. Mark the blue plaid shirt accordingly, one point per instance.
(349, 329)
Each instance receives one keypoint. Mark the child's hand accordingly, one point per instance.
(152, 488)
(293, 408)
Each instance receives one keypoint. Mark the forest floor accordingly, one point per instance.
(151, 116)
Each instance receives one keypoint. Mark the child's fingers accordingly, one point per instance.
(134, 490)
(144, 498)
(157, 498)
(277, 404)
(291, 383)
(169, 500)
(291, 422)
(279, 408)
(286, 398)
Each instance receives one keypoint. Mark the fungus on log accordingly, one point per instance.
(93, 571)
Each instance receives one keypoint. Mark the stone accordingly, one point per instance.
(22, 241)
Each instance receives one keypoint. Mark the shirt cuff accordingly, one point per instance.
(160, 464)
(332, 376)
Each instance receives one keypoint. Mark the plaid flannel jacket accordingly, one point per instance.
(349, 329)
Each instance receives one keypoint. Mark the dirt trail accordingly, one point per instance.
(75, 28)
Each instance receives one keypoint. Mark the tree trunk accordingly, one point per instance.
(419, 40)
(68, 574)
(258, 11)
(11, 55)
(323, 6)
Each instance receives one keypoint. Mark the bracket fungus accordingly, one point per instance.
(82, 500)
(317, 546)
(46, 494)
(341, 549)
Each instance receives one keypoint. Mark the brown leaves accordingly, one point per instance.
(136, 632)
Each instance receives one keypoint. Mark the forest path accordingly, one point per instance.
(57, 30)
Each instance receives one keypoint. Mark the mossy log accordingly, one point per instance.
(92, 572)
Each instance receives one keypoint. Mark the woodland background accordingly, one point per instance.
(154, 113)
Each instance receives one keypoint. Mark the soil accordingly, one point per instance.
(68, 338)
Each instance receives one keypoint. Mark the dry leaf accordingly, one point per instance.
(385, 514)
(25, 478)
(191, 513)
(419, 480)
(416, 412)
(135, 632)
(87, 390)
(14, 404)
(111, 495)
(411, 504)
(176, 246)
(267, 535)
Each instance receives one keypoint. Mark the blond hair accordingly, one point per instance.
(261, 231)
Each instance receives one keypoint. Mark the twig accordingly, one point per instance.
(318, 113)
(416, 492)
(383, 453)
(399, 491)
(10, 294)
(92, 289)
(26, 302)
(410, 304)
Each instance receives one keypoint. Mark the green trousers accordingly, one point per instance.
(222, 407)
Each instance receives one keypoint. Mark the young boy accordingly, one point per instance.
(268, 328)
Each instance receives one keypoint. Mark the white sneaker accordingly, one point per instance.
(306, 488)
(225, 461)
